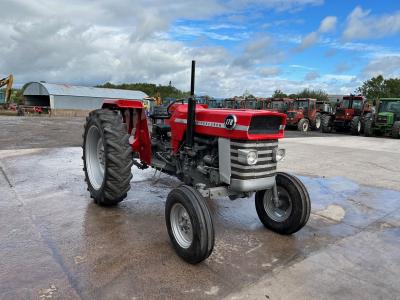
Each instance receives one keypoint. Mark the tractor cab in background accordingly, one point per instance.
(303, 114)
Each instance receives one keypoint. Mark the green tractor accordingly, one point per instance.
(386, 120)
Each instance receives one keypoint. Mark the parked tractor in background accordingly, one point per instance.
(386, 120)
(214, 152)
(303, 114)
(350, 115)
(280, 104)
(324, 107)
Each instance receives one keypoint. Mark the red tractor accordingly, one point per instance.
(214, 152)
(350, 115)
(303, 114)
(280, 104)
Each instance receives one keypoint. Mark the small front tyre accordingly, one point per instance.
(291, 212)
(189, 224)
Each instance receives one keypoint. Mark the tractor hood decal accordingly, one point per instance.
(213, 124)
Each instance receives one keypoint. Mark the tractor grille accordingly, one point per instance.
(339, 112)
(265, 124)
(265, 166)
(381, 119)
(291, 114)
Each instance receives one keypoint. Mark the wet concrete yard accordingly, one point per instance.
(55, 243)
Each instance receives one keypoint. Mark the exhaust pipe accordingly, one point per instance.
(191, 114)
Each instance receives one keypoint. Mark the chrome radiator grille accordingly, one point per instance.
(265, 166)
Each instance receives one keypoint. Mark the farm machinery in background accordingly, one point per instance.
(303, 115)
(8, 83)
(386, 120)
(280, 104)
(214, 152)
(350, 115)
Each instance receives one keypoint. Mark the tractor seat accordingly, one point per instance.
(162, 129)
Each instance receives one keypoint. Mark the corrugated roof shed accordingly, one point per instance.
(45, 89)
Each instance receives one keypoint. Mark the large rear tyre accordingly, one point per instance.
(303, 125)
(189, 224)
(326, 124)
(368, 130)
(294, 207)
(356, 126)
(396, 130)
(107, 157)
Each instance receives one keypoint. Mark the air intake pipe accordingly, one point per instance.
(191, 114)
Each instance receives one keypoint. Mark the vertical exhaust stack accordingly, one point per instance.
(191, 114)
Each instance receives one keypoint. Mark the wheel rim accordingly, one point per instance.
(318, 123)
(358, 126)
(305, 126)
(282, 211)
(95, 158)
(181, 225)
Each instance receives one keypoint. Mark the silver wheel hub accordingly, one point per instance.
(280, 210)
(318, 123)
(359, 126)
(305, 126)
(181, 225)
(95, 157)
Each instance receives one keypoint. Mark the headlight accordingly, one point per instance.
(247, 156)
(278, 154)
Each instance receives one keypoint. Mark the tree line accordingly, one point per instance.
(374, 88)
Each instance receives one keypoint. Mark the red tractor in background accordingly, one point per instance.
(303, 114)
(350, 115)
(280, 104)
(214, 152)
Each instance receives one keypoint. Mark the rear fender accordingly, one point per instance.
(134, 115)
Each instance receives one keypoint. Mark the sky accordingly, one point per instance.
(239, 45)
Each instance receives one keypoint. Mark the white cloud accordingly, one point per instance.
(309, 40)
(312, 75)
(269, 71)
(328, 24)
(362, 25)
(388, 66)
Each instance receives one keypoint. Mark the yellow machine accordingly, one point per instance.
(8, 82)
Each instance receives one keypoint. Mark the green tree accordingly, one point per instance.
(149, 88)
(314, 94)
(392, 87)
(373, 88)
(279, 94)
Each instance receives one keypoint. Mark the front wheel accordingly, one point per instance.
(303, 125)
(356, 126)
(189, 224)
(291, 212)
(396, 130)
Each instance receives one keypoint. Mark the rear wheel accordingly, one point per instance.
(291, 212)
(107, 157)
(326, 123)
(303, 125)
(355, 127)
(368, 130)
(396, 130)
(189, 224)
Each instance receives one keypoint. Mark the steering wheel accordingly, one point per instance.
(172, 103)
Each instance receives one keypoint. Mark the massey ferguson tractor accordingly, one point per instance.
(214, 152)
(303, 114)
(350, 115)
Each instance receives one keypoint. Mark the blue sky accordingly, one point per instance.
(239, 45)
